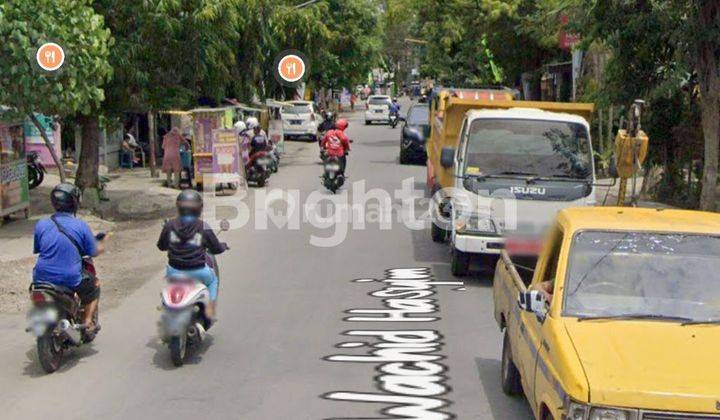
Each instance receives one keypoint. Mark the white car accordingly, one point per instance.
(378, 109)
(300, 120)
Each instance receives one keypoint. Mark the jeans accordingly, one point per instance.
(205, 275)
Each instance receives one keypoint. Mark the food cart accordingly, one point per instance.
(216, 151)
(14, 196)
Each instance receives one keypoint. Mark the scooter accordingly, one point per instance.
(258, 168)
(393, 120)
(55, 318)
(36, 170)
(333, 178)
(183, 322)
(274, 157)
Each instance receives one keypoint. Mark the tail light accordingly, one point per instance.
(177, 293)
(39, 297)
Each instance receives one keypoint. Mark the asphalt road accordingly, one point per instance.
(277, 351)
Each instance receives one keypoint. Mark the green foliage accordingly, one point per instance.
(77, 87)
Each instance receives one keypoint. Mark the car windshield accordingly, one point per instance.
(644, 274)
(533, 147)
(379, 101)
(297, 109)
(418, 115)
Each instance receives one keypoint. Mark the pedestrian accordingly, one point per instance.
(171, 156)
(353, 99)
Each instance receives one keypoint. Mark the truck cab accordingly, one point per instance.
(513, 170)
(619, 318)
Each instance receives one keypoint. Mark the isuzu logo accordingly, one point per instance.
(528, 190)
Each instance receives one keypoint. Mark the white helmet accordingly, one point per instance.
(252, 122)
(240, 126)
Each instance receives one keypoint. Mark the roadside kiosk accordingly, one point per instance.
(14, 195)
(216, 152)
(275, 125)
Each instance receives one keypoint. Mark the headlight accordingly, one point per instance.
(475, 224)
(577, 411)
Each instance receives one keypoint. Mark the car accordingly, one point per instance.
(378, 109)
(300, 120)
(415, 131)
(618, 319)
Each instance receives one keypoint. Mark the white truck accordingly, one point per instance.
(512, 170)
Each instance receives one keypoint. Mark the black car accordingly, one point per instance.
(415, 132)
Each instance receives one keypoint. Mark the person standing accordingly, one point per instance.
(171, 156)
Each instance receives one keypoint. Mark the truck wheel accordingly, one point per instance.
(460, 263)
(367, 122)
(437, 233)
(509, 375)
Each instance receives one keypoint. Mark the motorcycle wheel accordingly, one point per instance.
(178, 347)
(50, 352)
(35, 177)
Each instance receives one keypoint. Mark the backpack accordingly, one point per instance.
(334, 144)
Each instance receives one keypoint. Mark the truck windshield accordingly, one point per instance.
(297, 109)
(532, 147)
(611, 274)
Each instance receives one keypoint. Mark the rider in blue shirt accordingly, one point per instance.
(60, 261)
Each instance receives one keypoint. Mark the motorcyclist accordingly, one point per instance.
(187, 240)
(395, 107)
(258, 138)
(336, 143)
(243, 140)
(61, 241)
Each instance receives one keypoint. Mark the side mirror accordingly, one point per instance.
(447, 157)
(533, 301)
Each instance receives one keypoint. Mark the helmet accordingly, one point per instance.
(240, 126)
(341, 124)
(189, 203)
(251, 122)
(65, 197)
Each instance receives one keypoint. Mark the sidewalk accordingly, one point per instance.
(133, 213)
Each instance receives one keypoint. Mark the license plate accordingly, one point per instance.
(379, 111)
(296, 122)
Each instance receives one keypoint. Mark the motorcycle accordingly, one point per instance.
(55, 318)
(258, 168)
(393, 120)
(274, 157)
(184, 322)
(333, 178)
(36, 170)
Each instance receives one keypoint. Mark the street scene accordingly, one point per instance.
(359, 209)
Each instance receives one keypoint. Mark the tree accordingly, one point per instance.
(77, 87)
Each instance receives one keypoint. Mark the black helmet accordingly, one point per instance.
(189, 203)
(65, 197)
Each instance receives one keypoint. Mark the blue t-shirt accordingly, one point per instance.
(59, 262)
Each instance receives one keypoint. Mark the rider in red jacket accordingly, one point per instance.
(336, 143)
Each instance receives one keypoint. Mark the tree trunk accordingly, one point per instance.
(43, 134)
(153, 144)
(87, 173)
(709, 81)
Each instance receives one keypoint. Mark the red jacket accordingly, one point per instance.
(335, 143)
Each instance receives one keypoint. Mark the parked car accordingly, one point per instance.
(378, 109)
(415, 131)
(300, 120)
(618, 319)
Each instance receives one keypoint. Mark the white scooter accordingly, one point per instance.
(183, 322)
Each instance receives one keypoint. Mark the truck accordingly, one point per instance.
(619, 318)
(499, 167)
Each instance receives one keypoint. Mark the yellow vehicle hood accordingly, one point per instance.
(650, 365)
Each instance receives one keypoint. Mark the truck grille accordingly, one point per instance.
(677, 416)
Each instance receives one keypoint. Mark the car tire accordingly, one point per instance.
(509, 374)
(460, 263)
(404, 159)
(367, 122)
(438, 234)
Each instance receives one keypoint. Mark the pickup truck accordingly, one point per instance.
(619, 318)
(504, 168)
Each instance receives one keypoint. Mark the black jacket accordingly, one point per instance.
(187, 244)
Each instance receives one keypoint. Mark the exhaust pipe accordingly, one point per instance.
(70, 331)
(196, 331)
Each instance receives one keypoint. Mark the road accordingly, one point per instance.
(282, 307)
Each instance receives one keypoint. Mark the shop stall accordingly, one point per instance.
(14, 196)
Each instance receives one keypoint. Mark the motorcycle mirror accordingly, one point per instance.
(224, 225)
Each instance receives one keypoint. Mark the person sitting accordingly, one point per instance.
(187, 241)
(61, 241)
(336, 143)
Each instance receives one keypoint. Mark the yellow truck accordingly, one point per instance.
(499, 167)
(619, 318)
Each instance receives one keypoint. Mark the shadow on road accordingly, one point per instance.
(501, 405)
(161, 358)
(71, 357)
